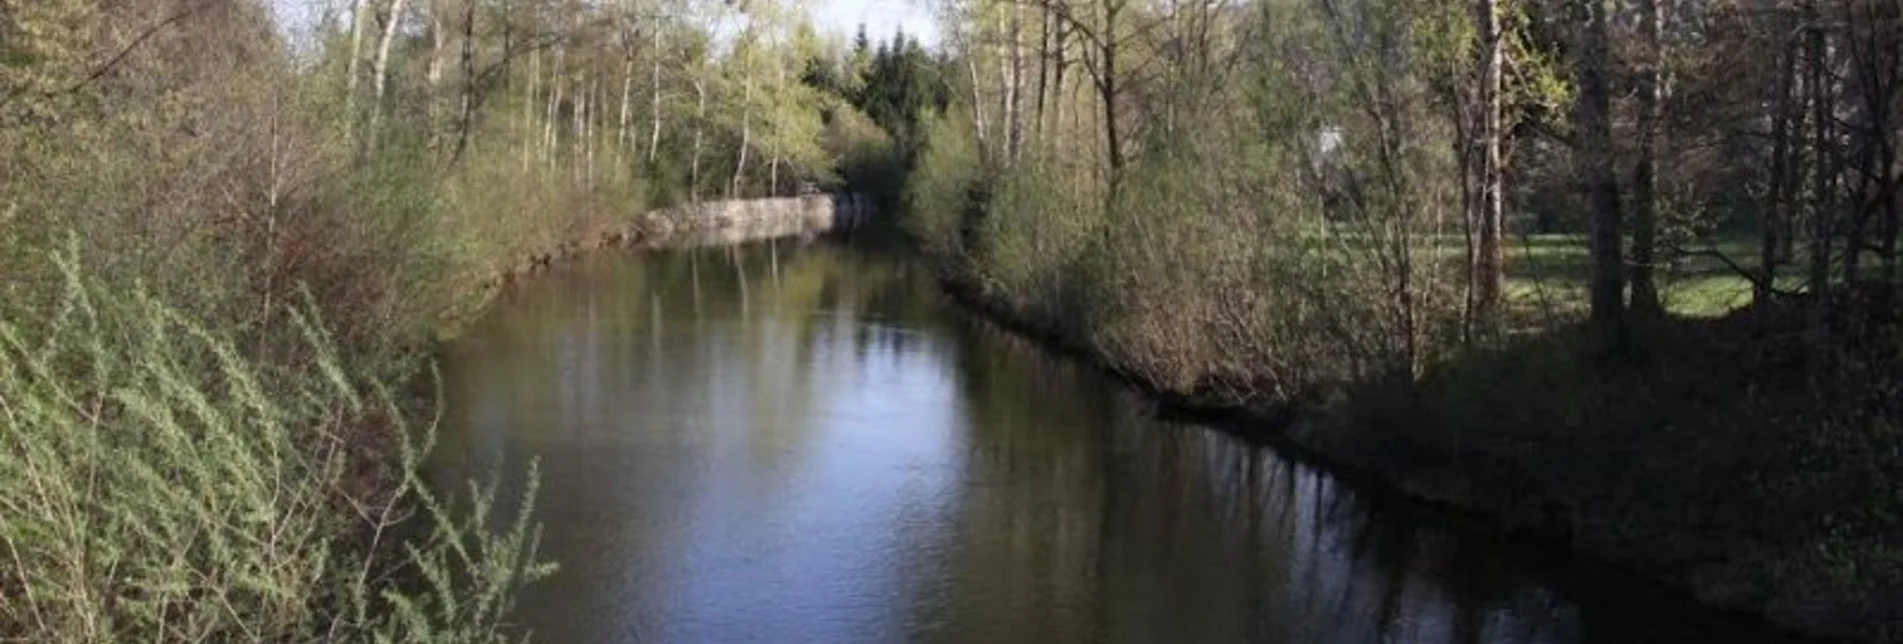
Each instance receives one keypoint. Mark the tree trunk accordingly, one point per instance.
(381, 70)
(584, 126)
(624, 138)
(977, 103)
(1107, 88)
(1060, 64)
(1781, 210)
(1823, 186)
(434, 76)
(746, 140)
(1593, 110)
(550, 133)
(1490, 216)
(528, 111)
(466, 107)
(577, 128)
(1651, 88)
(359, 9)
(654, 132)
(1014, 87)
(1874, 53)
(1043, 78)
(1885, 29)
(590, 139)
(700, 127)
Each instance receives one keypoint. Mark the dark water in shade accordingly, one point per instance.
(802, 443)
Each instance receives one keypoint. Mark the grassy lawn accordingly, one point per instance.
(1546, 276)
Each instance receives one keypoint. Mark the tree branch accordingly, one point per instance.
(119, 57)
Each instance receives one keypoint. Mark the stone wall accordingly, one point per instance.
(709, 223)
(741, 220)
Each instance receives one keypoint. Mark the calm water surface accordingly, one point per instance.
(802, 443)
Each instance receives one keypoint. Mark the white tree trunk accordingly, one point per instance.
(550, 135)
(580, 146)
(382, 68)
(434, 76)
(596, 98)
(977, 102)
(352, 68)
(746, 141)
(624, 140)
(1014, 87)
(654, 133)
(700, 127)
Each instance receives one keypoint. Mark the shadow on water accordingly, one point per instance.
(802, 443)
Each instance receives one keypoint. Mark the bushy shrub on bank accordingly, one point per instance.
(940, 194)
(161, 482)
(201, 430)
(1215, 267)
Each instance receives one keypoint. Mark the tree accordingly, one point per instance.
(1651, 95)
(1593, 111)
(1489, 214)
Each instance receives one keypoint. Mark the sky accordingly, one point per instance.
(837, 17)
(881, 17)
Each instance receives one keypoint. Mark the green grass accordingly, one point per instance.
(1547, 276)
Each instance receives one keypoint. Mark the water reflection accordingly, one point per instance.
(799, 443)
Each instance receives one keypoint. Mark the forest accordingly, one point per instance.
(1631, 264)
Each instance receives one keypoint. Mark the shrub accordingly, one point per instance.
(867, 158)
(939, 194)
(1037, 227)
(159, 484)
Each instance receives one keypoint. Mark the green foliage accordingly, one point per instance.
(162, 485)
(1036, 231)
(1285, 240)
(191, 455)
(42, 42)
(939, 194)
(902, 86)
(1282, 205)
(869, 161)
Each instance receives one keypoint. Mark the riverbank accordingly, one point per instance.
(1678, 464)
(163, 458)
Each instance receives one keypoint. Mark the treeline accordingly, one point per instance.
(228, 238)
(1410, 132)
(1538, 246)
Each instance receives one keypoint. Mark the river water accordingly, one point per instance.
(792, 442)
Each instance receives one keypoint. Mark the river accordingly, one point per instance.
(804, 442)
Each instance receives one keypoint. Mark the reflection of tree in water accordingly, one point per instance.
(1067, 513)
(1192, 536)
